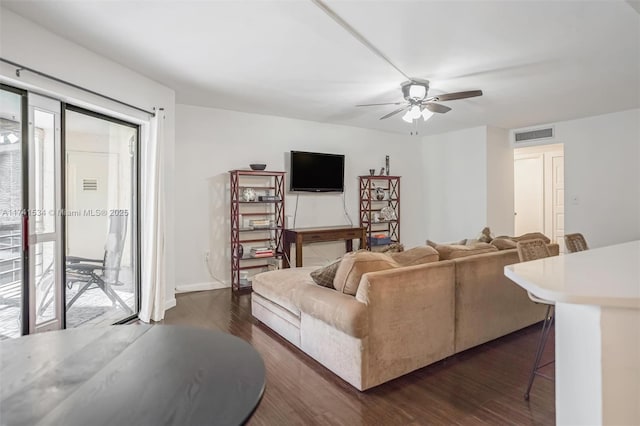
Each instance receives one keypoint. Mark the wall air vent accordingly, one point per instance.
(89, 184)
(533, 135)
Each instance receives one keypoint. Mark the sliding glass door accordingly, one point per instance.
(45, 215)
(69, 249)
(12, 258)
(101, 226)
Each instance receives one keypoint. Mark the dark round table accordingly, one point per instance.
(129, 375)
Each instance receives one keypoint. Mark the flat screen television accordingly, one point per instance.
(316, 172)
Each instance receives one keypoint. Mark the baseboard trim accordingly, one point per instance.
(186, 288)
(171, 303)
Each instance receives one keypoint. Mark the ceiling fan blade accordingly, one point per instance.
(386, 103)
(457, 95)
(433, 107)
(399, 110)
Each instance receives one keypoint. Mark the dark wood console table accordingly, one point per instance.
(299, 236)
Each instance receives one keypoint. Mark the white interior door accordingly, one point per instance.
(529, 193)
(557, 189)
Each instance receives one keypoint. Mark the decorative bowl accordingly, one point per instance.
(258, 166)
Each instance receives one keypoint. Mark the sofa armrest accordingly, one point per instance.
(339, 310)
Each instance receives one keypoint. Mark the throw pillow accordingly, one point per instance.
(324, 276)
(416, 256)
(393, 248)
(532, 236)
(356, 264)
(503, 243)
(485, 235)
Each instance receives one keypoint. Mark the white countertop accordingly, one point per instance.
(607, 276)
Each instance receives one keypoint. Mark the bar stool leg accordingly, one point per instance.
(544, 335)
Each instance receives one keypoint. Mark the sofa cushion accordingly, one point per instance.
(503, 243)
(280, 286)
(434, 244)
(354, 265)
(340, 311)
(324, 276)
(456, 251)
(416, 256)
(532, 236)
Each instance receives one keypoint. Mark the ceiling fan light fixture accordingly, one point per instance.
(426, 114)
(417, 91)
(415, 112)
(408, 117)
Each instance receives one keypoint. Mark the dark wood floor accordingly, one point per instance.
(482, 386)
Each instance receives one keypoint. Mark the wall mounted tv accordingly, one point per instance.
(316, 172)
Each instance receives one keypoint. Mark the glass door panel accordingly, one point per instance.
(11, 214)
(45, 224)
(101, 230)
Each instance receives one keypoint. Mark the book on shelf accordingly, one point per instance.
(261, 252)
(260, 249)
(260, 224)
(269, 198)
(266, 254)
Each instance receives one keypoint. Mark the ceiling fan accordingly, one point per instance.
(414, 90)
(417, 104)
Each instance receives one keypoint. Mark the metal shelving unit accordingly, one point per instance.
(273, 210)
(370, 206)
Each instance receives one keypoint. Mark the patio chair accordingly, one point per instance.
(575, 243)
(101, 273)
(532, 250)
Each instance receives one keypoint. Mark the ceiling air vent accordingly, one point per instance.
(89, 184)
(533, 135)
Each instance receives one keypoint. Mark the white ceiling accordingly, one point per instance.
(536, 61)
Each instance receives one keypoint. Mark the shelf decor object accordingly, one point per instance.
(380, 209)
(259, 239)
(248, 194)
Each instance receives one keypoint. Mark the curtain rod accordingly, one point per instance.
(75, 86)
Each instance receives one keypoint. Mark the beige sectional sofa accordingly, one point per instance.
(400, 319)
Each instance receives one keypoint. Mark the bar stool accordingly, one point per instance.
(575, 243)
(532, 250)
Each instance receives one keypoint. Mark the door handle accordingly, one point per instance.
(25, 232)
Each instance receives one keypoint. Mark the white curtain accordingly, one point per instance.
(152, 222)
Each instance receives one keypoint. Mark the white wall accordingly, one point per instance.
(24, 42)
(454, 178)
(602, 176)
(500, 192)
(468, 181)
(210, 142)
